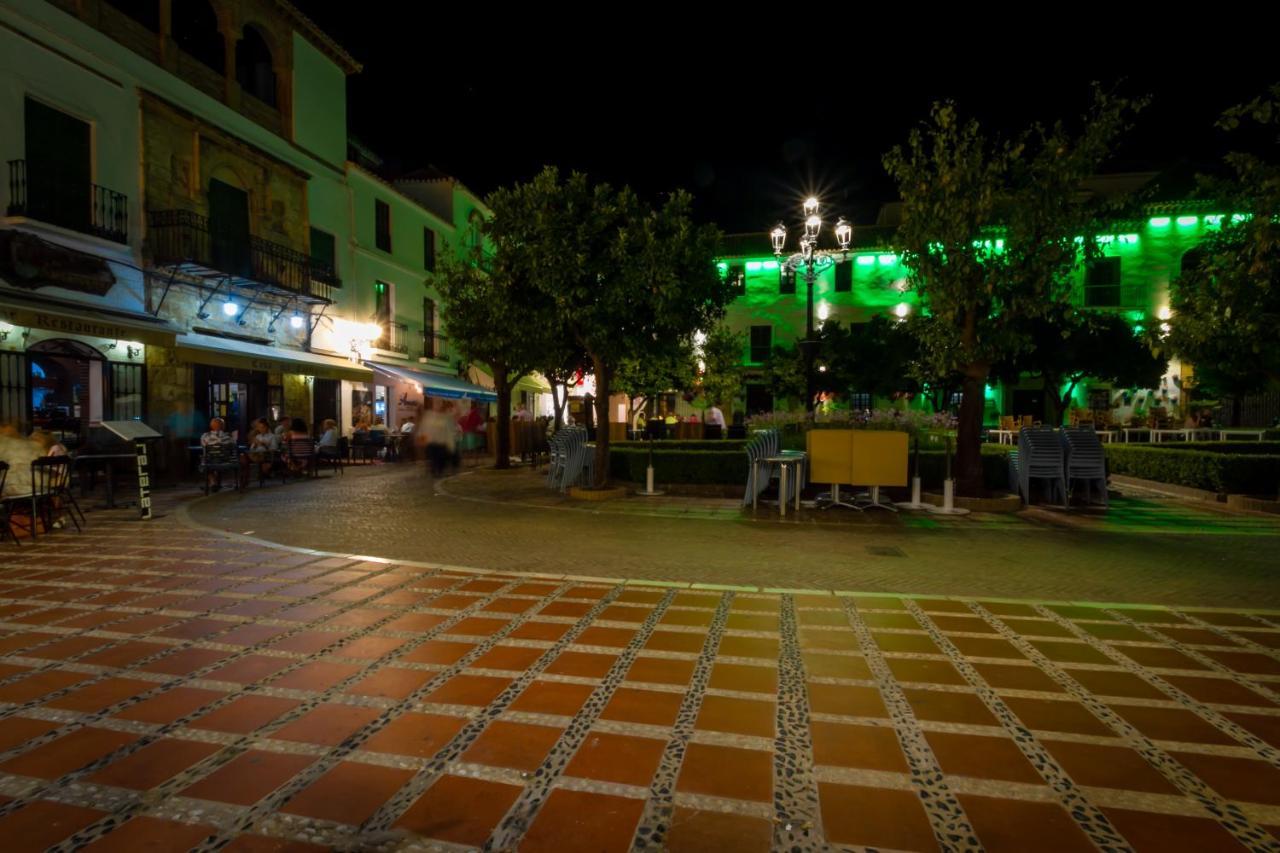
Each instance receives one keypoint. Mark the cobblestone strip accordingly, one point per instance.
(655, 821)
(456, 746)
(1227, 814)
(1233, 636)
(195, 674)
(213, 762)
(1228, 727)
(513, 826)
(946, 816)
(1088, 816)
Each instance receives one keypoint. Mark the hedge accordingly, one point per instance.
(684, 444)
(628, 462)
(1232, 473)
(995, 467)
(1264, 448)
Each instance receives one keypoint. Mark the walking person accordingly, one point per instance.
(441, 433)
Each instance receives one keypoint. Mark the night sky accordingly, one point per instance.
(742, 124)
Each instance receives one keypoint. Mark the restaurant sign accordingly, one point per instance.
(29, 262)
(69, 323)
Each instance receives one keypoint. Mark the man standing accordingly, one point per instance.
(713, 422)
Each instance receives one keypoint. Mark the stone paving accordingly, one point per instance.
(164, 686)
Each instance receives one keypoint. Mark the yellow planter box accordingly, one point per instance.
(858, 457)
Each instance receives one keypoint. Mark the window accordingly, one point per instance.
(59, 168)
(737, 278)
(195, 29)
(145, 12)
(844, 278)
(428, 250)
(382, 225)
(1102, 283)
(761, 343)
(429, 328)
(323, 254)
(786, 280)
(860, 400)
(254, 72)
(382, 297)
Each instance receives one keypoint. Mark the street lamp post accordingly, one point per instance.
(812, 260)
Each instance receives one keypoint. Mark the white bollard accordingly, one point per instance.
(948, 500)
(915, 498)
(649, 491)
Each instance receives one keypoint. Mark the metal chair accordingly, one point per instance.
(217, 459)
(1086, 461)
(50, 487)
(1040, 457)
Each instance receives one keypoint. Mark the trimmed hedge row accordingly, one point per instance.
(678, 466)
(995, 467)
(685, 444)
(1263, 448)
(1232, 473)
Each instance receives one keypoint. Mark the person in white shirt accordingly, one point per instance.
(440, 430)
(328, 443)
(218, 440)
(713, 422)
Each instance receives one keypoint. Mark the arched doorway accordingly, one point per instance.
(69, 384)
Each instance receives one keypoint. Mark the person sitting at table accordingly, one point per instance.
(49, 442)
(263, 443)
(218, 439)
(298, 445)
(328, 443)
(282, 426)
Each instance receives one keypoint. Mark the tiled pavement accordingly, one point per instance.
(164, 688)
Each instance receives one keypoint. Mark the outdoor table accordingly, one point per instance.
(1128, 430)
(1003, 436)
(1107, 435)
(1258, 434)
(783, 463)
(108, 460)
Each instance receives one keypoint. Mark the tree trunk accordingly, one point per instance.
(968, 470)
(503, 428)
(558, 402)
(602, 423)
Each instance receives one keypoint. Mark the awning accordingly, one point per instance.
(534, 384)
(436, 385)
(89, 320)
(225, 352)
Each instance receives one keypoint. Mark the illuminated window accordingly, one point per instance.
(1102, 283)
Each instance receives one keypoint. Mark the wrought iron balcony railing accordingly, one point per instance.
(58, 199)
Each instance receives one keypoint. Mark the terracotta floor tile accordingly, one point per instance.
(1111, 683)
(623, 759)
(360, 617)
(736, 676)
(609, 637)
(941, 605)
(914, 643)
(67, 753)
(1221, 691)
(1171, 724)
(480, 626)
(572, 609)
(552, 697)
(876, 602)
(370, 648)
(1069, 652)
(246, 714)
(391, 682)
(170, 705)
(539, 589)
(195, 629)
(418, 735)
(1014, 677)
(700, 831)
(250, 669)
(101, 694)
(1115, 631)
(185, 661)
(1249, 663)
(264, 844)
(631, 705)
(841, 641)
(967, 624)
(725, 771)
(1007, 825)
(153, 764)
(1108, 767)
(751, 622)
(945, 707)
(987, 647)
(519, 746)
(1037, 628)
(586, 822)
(982, 757)
(327, 724)
(582, 664)
(925, 671)
(1227, 620)
(69, 647)
(17, 730)
(513, 658)
(250, 635)
(349, 793)
(640, 596)
(836, 666)
(416, 622)
(691, 618)
(484, 586)
(708, 600)
(865, 747)
(24, 640)
(445, 652)
(874, 817)
(459, 809)
(1052, 715)
(33, 687)
(44, 823)
(1160, 657)
(468, 690)
(1242, 779)
(680, 641)
(535, 630)
(891, 620)
(150, 834)
(1265, 727)
(308, 642)
(1147, 831)
(746, 647)
(249, 777)
(844, 699)
(661, 671)
(744, 604)
(737, 716)
(624, 613)
(830, 618)
(316, 675)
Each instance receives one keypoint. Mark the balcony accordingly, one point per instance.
(394, 339)
(182, 242)
(435, 346)
(53, 198)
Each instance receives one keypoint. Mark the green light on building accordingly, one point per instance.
(1159, 222)
(887, 260)
(754, 266)
(1237, 218)
(1135, 316)
(866, 260)
(771, 265)
(1127, 239)
(1137, 330)
(1106, 238)
(1213, 220)
(723, 268)
(988, 393)
(1187, 221)
(999, 245)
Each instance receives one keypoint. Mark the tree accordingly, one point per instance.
(989, 236)
(1226, 303)
(564, 365)
(873, 358)
(1069, 345)
(643, 377)
(492, 315)
(622, 278)
(722, 372)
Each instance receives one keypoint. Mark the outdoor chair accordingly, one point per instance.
(763, 446)
(1039, 457)
(299, 454)
(1085, 460)
(331, 457)
(51, 489)
(218, 459)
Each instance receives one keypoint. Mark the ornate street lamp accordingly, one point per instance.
(812, 260)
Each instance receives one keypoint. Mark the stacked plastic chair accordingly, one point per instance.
(762, 446)
(1039, 457)
(1085, 460)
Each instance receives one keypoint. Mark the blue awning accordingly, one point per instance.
(437, 385)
